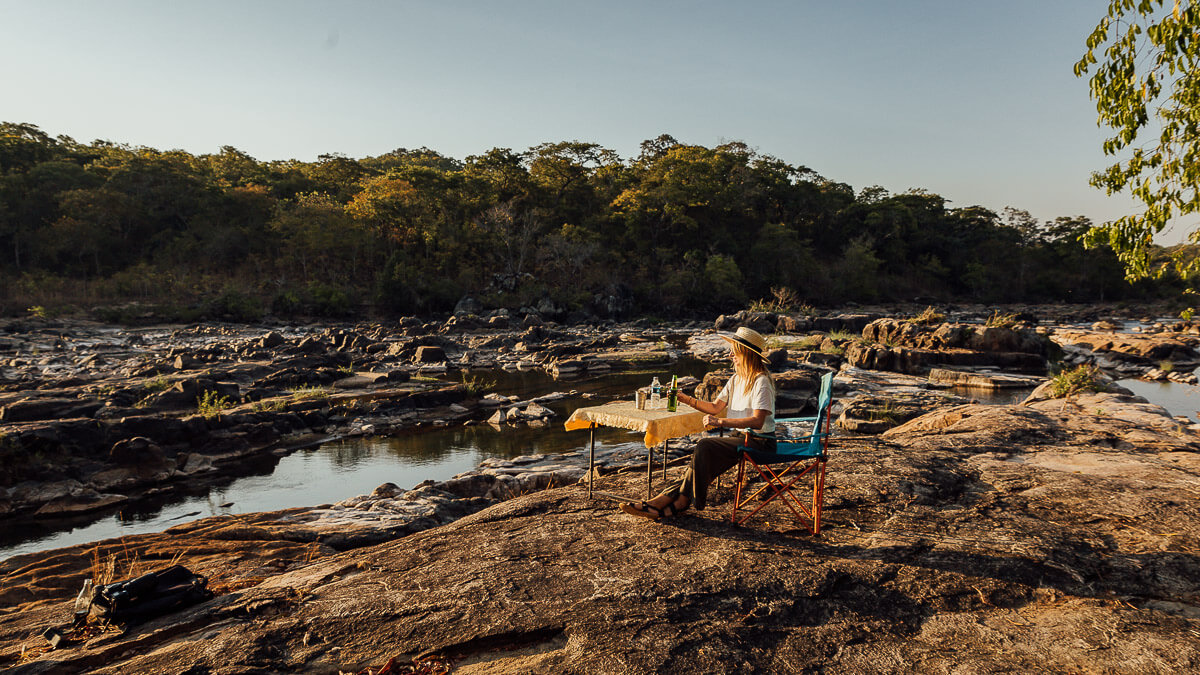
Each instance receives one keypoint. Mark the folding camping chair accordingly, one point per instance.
(802, 455)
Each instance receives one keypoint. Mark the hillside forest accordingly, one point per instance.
(570, 227)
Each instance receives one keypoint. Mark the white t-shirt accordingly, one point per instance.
(742, 404)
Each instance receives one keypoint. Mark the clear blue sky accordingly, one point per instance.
(973, 100)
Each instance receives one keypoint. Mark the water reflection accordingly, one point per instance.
(1179, 399)
(989, 396)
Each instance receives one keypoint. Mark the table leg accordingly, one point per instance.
(666, 447)
(592, 459)
(649, 471)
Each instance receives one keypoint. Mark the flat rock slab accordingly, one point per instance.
(943, 377)
(1062, 535)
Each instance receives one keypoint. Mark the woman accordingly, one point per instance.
(747, 402)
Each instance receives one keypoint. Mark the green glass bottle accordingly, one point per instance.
(673, 395)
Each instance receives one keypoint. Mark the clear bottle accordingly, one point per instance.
(83, 604)
(673, 394)
(655, 394)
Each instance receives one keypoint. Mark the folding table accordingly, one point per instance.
(659, 425)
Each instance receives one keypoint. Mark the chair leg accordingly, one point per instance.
(786, 491)
(737, 487)
(818, 499)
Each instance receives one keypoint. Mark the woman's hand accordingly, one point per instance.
(711, 421)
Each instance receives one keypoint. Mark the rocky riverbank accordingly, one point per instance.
(92, 417)
(1055, 535)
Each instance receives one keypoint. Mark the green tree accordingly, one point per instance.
(319, 241)
(780, 258)
(725, 280)
(858, 272)
(1148, 83)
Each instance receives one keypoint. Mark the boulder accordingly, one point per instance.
(271, 340)
(537, 411)
(777, 358)
(793, 324)
(549, 308)
(311, 345)
(468, 305)
(31, 409)
(763, 322)
(429, 354)
(138, 450)
(843, 323)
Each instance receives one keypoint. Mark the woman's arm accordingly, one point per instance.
(755, 421)
(713, 408)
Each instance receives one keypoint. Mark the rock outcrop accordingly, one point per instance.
(1059, 535)
(908, 347)
(1130, 354)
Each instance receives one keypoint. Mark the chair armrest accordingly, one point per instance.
(747, 434)
(755, 434)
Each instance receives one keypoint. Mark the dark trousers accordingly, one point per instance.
(711, 458)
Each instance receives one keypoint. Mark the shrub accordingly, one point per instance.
(1082, 378)
(929, 317)
(476, 385)
(998, 320)
(236, 305)
(783, 299)
(286, 303)
(888, 412)
(328, 300)
(272, 405)
(156, 384)
(211, 404)
(306, 392)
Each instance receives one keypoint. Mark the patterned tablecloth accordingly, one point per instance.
(659, 425)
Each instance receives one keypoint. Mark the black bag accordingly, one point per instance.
(150, 595)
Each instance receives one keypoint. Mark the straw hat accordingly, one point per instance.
(748, 338)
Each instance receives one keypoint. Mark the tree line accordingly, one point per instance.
(678, 229)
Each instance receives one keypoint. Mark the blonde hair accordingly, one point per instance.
(748, 365)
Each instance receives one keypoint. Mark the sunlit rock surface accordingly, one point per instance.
(1056, 536)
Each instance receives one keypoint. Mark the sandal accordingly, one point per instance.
(645, 510)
